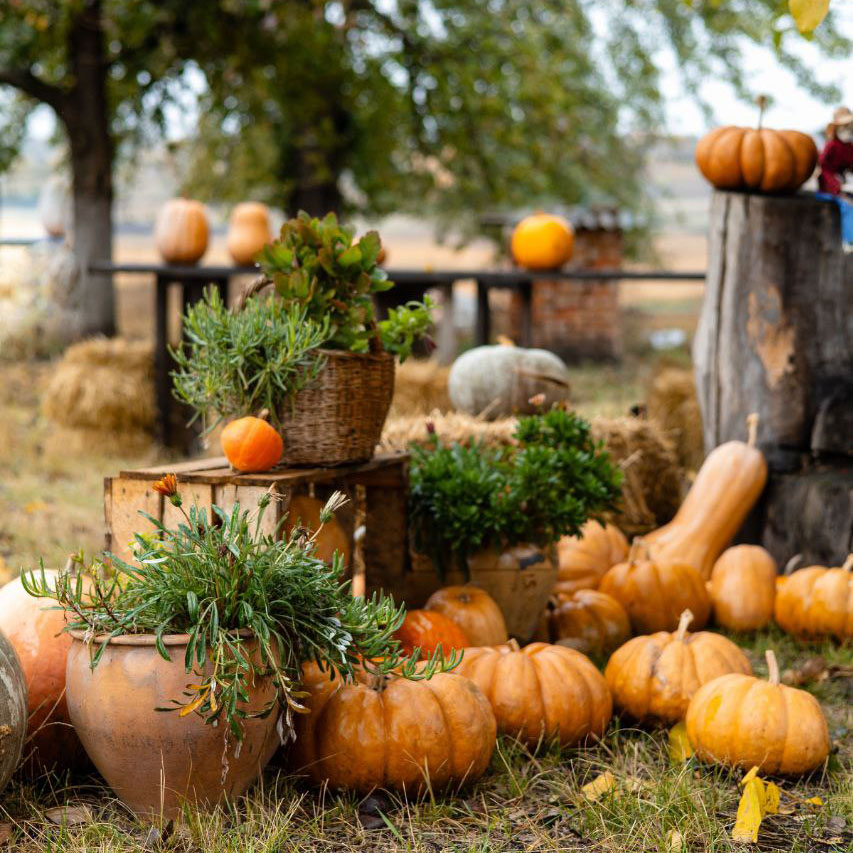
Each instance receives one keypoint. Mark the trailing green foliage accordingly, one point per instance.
(466, 497)
(223, 582)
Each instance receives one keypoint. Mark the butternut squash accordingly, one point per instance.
(726, 488)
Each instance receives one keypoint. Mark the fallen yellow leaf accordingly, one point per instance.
(772, 794)
(679, 744)
(750, 811)
(34, 506)
(675, 842)
(814, 801)
(599, 786)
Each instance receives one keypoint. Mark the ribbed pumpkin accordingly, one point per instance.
(305, 511)
(474, 611)
(584, 559)
(398, 734)
(429, 629)
(248, 231)
(741, 721)
(13, 711)
(743, 158)
(655, 595)
(540, 692)
(726, 488)
(743, 588)
(181, 231)
(589, 620)
(251, 444)
(817, 602)
(653, 678)
(542, 242)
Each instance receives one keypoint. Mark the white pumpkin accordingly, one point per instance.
(500, 380)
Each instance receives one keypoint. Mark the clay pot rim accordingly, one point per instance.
(149, 640)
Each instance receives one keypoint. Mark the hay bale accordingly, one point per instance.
(103, 385)
(673, 405)
(420, 387)
(399, 432)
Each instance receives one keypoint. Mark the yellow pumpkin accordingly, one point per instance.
(181, 231)
(248, 231)
(590, 621)
(540, 692)
(474, 611)
(743, 588)
(654, 677)
(542, 242)
(742, 158)
(741, 721)
(817, 602)
(584, 559)
(726, 488)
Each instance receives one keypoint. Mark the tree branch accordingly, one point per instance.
(31, 85)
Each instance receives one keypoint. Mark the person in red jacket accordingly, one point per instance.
(837, 155)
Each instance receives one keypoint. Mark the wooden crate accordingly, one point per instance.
(377, 492)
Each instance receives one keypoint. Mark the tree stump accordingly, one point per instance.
(776, 337)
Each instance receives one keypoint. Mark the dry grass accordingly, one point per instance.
(672, 403)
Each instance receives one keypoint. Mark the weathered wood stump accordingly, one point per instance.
(776, 337)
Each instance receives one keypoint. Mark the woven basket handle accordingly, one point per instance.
(252, 289)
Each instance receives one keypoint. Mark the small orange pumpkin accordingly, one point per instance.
(305, 511)
(584, 559)
(542, 242)
(428, 630)
(474, 611)
(589, 620)
(743, 588)
(251, 444)
(248, 231)
(181, 231)
(653, 677)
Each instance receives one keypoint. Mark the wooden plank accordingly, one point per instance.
(192, 493)
(386, 540)
(189, 467)
(123, 500)
(248, 496)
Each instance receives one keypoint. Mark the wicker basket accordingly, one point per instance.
(338, 418)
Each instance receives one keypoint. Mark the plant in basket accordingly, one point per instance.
(213, 621)
(492, 514)
(304, 343)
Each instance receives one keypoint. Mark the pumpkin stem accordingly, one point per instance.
(513, 644)
(683, 622)
(772, 666)
(264, 414)
(752, 427)
(638, 550)
(792, 564)
(848, 563)
(761, 100)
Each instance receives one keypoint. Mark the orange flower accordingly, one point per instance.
(167, 486)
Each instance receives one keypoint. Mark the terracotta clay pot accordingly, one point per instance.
(153, 760)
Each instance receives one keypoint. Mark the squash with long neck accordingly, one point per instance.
(726, 488)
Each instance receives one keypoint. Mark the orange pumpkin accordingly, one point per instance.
(542, 242)
(428, 630)
(304, 511)
(742, 158)
(817, 602)
(745, 722)
(181, 231)
(540, 692)
(248, 231)
(584, 559)
(726, 488)
(251, 444)
(400, 734)
(655, 596)
(474, 611)
(590, 621)
(654, 677)
(743, 588)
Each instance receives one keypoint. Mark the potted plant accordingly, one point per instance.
(313, 352)
(492, 515)
(213, 622)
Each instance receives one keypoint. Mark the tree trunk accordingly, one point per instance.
(776, 337)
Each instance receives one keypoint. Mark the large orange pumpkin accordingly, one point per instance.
(743, 588)
(400, 734)
(540, 692)
(428, 630)
(584, 559)
(742, 158)
(304, 511)
(251, 444)
(542, 242)
(181, 231)
(745, 722)
(817, 602)
(474, 611)
(36, 632)
(654, 677)
(589, 620)
(655, 595)
(726, 488)
(248, 231)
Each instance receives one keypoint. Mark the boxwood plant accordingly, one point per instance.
(465, 497)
